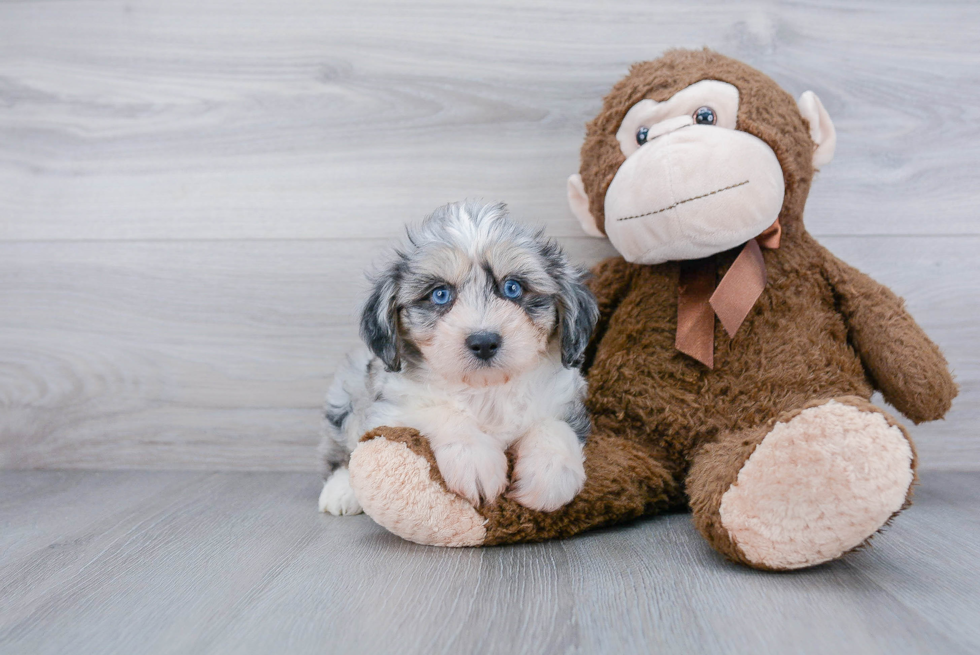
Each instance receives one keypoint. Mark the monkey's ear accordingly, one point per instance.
(579, 203)
(821, 128)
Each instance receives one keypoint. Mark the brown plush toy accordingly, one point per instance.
(697, 169)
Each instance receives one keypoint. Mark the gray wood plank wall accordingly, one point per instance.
(190, 192)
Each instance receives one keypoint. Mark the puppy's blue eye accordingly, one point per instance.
(641, 135)
(513, 289)
(441, 295)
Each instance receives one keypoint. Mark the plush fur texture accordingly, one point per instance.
(420, 509)
(765, 111)
(622, 481)
(670, 432)
(818, 485)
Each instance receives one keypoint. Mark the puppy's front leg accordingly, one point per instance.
(472, 463)
(549, 471)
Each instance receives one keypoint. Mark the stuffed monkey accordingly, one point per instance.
(735, 357)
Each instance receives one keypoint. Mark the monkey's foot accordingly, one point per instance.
(820, 483)
(396, 480)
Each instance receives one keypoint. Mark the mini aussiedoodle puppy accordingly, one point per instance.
(475, 329)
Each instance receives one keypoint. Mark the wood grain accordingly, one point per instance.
(189, 192)
(238, 562)
(217, 355)
(307, 119)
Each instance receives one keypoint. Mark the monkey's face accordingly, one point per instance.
(692, 185)
(692, 155)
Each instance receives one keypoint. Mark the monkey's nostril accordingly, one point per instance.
(483, 345)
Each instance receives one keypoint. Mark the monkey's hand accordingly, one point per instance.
(908, 368)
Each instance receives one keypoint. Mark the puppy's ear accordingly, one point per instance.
(577, 311)
(379, 320)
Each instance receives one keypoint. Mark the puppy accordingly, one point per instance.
(474, 331)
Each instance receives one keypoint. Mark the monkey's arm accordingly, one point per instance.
(610, 282)
(903, 363)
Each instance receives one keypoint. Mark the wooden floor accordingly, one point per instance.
(185, 562)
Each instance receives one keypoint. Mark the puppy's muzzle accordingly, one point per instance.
(484, 345)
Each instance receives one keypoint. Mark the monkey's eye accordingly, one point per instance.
(641, 135)
(513, 289)
(705, 116)
(441, 295)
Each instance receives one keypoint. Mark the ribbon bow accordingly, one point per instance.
(734, 297)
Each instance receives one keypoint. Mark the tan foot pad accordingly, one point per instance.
(818, 486)
(396, 489)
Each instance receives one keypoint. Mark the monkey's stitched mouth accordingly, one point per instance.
(681, 202)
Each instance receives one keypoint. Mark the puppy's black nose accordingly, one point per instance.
(483, 344)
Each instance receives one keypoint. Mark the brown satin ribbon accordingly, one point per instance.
(698, 300)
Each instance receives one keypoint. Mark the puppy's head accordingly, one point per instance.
(478, 298)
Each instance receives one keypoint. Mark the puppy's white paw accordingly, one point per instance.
(550, 469)
(473, 471)
(337, 497)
